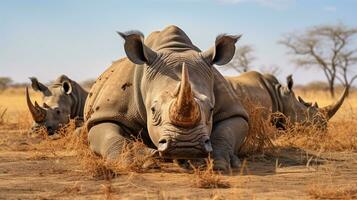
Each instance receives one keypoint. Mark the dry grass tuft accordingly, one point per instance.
(75, 189)
(107, 190)
(332, 192)
(2, 115)
(258, 140)
(133, 157)
(207, 178)
(339, 136)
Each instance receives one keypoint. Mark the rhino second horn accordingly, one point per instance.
(38, 113)
(185, 111)
(331, 110)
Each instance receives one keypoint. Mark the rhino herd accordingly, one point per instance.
(168, 92)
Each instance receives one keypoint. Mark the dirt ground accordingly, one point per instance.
(26, 173)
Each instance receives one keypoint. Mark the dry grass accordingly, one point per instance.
(107, 190)
(14, 100)
(340, 136)
(318, 191)
(207, 178)
(132, 157)
(2, 115)
(258, 140)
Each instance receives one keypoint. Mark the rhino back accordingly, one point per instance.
(252, 86)
(112, 97)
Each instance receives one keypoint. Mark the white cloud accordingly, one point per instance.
(276, 4)
(330, 8)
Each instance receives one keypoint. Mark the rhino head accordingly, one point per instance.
(177, 88)
(56, 109)
(306, 113)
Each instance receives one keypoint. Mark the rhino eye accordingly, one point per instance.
(152, 109)
(58, 112)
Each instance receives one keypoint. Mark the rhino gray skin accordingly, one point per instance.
(63, 100)
(168, 93)
(266, 91)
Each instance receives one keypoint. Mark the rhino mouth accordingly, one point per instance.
(184, 153)
(175, 149)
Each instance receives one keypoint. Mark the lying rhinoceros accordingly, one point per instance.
(64, 99)
(266, 91)
(168, 93)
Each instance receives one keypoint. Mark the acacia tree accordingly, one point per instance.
(5, 82)
(242, 59)
(327, 47)
(346, 74)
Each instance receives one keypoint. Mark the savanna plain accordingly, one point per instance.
(298, 163)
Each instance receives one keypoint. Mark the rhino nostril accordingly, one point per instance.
(50, 130)
(162, 141)
(163, 144)
(207, 146)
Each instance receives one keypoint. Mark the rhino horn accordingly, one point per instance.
(185, 111)
(38, 113)
(331, 110)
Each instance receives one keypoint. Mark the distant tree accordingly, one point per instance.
(271, 69)
(5, 82)
(242, 59)
(328, 48)
(346, 75)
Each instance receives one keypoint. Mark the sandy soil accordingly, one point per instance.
(27, 173)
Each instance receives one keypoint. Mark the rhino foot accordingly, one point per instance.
(225, 162)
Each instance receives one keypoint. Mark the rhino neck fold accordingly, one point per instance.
(274, 93)
(140, 94)
(78, 96)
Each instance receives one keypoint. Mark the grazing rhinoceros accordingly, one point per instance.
(168, 93)
(266, 91)
(64, 99)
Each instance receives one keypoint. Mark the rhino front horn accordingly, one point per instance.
(331, 110)
(184, 110)
(38, 113)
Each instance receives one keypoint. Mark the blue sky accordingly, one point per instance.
(46, 38)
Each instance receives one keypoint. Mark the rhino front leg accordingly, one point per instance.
(227, 137)
(106, 139)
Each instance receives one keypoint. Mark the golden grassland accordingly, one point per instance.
(264, 145)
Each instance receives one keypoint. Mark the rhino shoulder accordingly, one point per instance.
(227, 103)
(111, 96)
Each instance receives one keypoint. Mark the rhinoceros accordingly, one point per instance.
(167, 92)
(63, 100)
(264, 90)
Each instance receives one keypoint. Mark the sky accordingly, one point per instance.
(45, 39)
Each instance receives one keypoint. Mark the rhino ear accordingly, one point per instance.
(37, 86)
(223, 51)
(290, 82)
(67, 87)
(135, 48)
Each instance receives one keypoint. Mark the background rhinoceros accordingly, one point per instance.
(168, 93)
(266, 91)
(64, 99)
